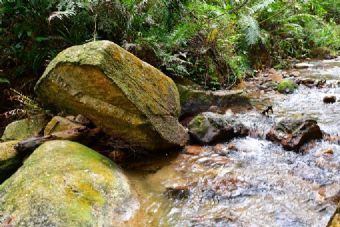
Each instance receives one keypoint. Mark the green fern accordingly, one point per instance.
(251, 29)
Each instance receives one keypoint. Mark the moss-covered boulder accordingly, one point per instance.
(66, 184)
(287, 86)
(10, 160)
(25, 128)
(118, 92)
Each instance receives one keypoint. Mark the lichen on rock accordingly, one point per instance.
(66, 184)
(10, 160)
(118, 92)
(25, 128)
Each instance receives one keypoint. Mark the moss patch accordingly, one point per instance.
(23, 129)
(199, 125)
(287, 86)
(118, 92)
(66, 184)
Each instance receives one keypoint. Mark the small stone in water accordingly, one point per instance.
(329, 99)
(178, 192)
(232, 147)
(194, 150)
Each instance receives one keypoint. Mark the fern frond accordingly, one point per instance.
(260, 6)
(61, 14)
(251, 29)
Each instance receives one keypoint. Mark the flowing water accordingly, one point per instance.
(250, 181)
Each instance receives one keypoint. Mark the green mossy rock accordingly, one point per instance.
(118, 92)
(287, 86)
(64, 184)
(10, 160)
(23, 129)
(208, 128)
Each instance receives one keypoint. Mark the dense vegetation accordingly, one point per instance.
(213, 42)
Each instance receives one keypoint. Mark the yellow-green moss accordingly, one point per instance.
(199, 125)
(10, 160)
(287, 86)
(66, 184)
(23, 129)
(147, 106)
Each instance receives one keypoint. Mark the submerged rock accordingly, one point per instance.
(208, 128)
(23, 129)
(194, 101)
(66, 184)
(10, 160)
(118, 92)
(292, 134)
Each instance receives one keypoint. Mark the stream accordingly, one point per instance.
(250, 181)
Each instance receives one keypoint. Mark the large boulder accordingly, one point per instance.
(292, 134)
(66, 184)
(208, 128)
(118, 92)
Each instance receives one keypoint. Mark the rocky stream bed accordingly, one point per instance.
(251, 181)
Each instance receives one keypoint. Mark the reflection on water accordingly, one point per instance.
(249, 181)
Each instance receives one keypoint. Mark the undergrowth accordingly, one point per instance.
(212, 42)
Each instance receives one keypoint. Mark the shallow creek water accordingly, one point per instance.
(252, 182)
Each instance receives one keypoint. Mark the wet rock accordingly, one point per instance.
(275, 75)
(208, 128)
(303, 65)
(329, 99)
(194, 101)
(23, 129)
(215, 109)
(80, 119)
(118, 92)
(178, 192)
(325, 152)
(295, 74)
(307, 82)
(292, 134)
(232, 147)
(194, 150)
(59, 124)
(287, 86)
(10, 160)
(66, 184)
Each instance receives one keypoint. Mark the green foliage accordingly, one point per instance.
(213, 42)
